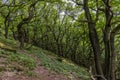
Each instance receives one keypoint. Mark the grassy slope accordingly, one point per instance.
(48, 59)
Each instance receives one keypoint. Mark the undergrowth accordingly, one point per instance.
(64, 67)
(48, 59)
(20, 59)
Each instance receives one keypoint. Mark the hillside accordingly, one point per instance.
(35, 64)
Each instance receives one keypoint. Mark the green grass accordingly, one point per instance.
(20, 59)
(63, 67)
(49, 60)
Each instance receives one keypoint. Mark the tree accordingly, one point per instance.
(21, 36)
(110, 56)
(94, 40)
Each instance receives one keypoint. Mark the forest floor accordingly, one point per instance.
(37, 64)
(39, 72)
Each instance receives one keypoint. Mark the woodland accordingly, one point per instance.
(86, 32)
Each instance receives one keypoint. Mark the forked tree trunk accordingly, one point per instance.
(96, 49)
(94, 41)
(108, 16)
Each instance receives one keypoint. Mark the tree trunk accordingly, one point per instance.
(6, 32)
(113, 54)
(113, 57)
(106, 40)
(20, 35)
(108, 16)
(25, 21)
(6, 23)
(14, 35)
(94, 41)
(96, 49)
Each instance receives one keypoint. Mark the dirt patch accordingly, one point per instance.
(48, 75)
